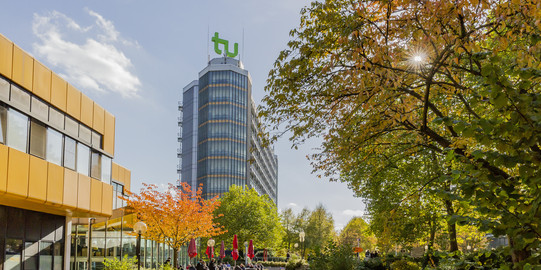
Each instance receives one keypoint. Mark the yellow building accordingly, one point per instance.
(57, 173)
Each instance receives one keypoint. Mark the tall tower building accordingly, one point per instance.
(219, 143)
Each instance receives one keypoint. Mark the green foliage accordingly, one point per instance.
(293, 225)
(167, 267)
(250, 216)
(372, 264)
(334, 257)
(125, 264)
(274, 264)
(319, 228)
(473, 105)
(295, 264)
(486, 259)
(357, 229)
(404, 265)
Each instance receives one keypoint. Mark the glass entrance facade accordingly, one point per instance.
(108, 238)
(30, 240)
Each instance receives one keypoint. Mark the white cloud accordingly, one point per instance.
(292, 204)
(88, 57)
(353, 213)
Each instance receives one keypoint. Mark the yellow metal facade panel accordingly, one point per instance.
(83, 193)
(59, 89)
(18, 163)
(42, 81)
(99, 119)
(69, 199)
(55, 184)
(6, 56)
(96, 187)
(109, 134)
(23, 68)
(127, 179)
(114, 172)
(107, 202)
(73, 104)
(3, 167)
(37, 180)
(87, 110)
(122, 175)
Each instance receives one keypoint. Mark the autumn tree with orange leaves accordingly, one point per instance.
(176, 215)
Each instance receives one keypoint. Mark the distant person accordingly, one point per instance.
(200, 265)
(212, 265)
(287, 256)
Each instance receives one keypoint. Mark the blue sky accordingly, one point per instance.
(134, 58)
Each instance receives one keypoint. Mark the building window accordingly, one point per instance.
(58, 255)
(40, 109)
(14, 248)
(31, 255)
(69, 153)
(20, 98)
(54, 147)
(85, 134)
(96, 140)
(46, 255)
(17, 130)
(95, 165)
(71, 127)
(38, 139)
(3, 124)
(83, 159)
(106, 164)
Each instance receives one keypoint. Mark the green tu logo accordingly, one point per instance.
(218, 41)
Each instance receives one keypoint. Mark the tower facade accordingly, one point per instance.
(219, 143)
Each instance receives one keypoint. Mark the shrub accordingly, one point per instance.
(404, 265)
(274, 264)
(372, 264)
(484, 259)
(124, 264)
(294, 265)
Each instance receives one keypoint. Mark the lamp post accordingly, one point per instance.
(89, 258)
(140, 228)
(211, 243)
(301, 239)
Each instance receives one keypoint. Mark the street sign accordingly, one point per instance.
(357, 249)
(417, 252)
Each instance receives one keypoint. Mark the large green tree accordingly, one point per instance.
(357, 234)
(287, 218)
(390, 79)
(244, 212)
(319, 228)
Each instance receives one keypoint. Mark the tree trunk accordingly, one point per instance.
(433, 225)
(175, 257)
(517, 255)
(451, 226)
